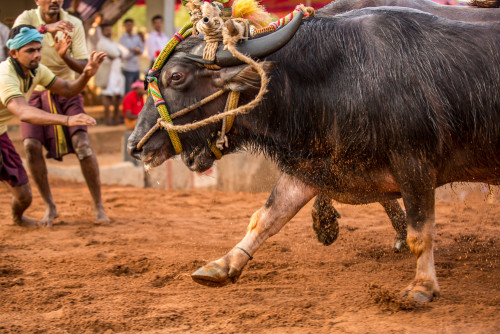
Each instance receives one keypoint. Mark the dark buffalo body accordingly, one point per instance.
(459, 13)
(351, 94)
(370, 105)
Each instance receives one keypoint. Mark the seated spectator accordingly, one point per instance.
(133, 103)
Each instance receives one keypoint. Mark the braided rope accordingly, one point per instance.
(227, 122)
(199, 104)
(238, 111)
(149, 134)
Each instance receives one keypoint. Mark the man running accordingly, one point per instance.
(19, 75)
(64, 52)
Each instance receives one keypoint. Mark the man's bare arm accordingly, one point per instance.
(61, 46)
(26, 113)
(71, 88)
(76, 65)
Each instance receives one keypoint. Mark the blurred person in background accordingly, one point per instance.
(109, 77)
(64, 52)
(133, 103)
(94, 34)
(156, 40)
(133, 43)
(4, 36)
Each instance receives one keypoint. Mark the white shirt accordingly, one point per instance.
(4, 37)
(155, 43)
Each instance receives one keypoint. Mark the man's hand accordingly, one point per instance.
(62, 45)
(93, 64)
(81, 119)
(64, 26)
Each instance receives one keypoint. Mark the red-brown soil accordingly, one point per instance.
(133, 275)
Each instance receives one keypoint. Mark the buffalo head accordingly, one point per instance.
(184, 81)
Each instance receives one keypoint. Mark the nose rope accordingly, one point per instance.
(264, 81)
(161, 123)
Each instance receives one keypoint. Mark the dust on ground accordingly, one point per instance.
(133, 275)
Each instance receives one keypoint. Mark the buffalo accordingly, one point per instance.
(371, 105)
(324, 215)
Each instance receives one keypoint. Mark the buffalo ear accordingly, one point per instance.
(243, 77)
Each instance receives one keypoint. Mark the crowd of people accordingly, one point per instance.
(46, 62)
(121, 69)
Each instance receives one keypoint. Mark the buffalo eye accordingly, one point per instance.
(176, 77)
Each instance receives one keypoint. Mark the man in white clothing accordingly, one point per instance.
(156, 40)
(110, 77)
(4, 36)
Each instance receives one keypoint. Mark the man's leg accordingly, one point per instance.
(106, 101)
(21, 200)
(38, 170)
(116, 114)
(90, 171)
(130, 78)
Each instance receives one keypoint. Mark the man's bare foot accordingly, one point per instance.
(49, 216)
(100, 216)
(25, 222)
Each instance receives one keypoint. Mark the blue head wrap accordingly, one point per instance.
(25, 36)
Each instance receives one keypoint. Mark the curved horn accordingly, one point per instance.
(256, 48)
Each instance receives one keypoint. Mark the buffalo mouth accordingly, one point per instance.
(196, 162)
(155, 158)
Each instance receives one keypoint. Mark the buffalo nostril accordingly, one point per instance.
(135, 154)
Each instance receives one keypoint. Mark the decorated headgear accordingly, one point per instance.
(25, 36)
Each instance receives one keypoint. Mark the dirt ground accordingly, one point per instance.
(133, 275)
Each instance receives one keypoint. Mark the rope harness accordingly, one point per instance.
(211, 29)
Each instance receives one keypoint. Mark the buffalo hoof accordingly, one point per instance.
(400, 244)
(325, 223)
(421, 292)
(214, 275)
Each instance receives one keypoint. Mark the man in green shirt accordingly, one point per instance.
(19, 75)
(64, 52)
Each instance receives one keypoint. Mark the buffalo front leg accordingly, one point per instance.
(287, 198)
(398, 219)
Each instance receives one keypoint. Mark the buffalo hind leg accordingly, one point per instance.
(398, 219)
(287, 198)
(325, 220)
(416, 181)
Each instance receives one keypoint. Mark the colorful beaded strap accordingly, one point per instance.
(154, 89)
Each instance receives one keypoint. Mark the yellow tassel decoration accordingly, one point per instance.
(252, 11)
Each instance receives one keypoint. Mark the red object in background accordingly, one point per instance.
(157, 53)
(132, 102)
